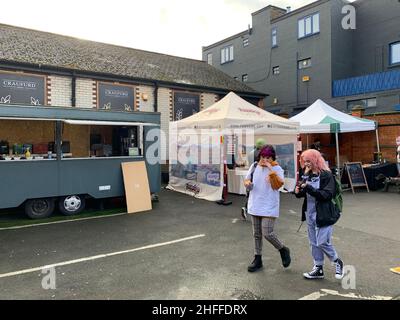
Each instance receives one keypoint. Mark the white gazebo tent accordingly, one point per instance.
(322, 118)
(227, 115)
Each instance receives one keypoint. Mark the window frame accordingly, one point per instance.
(227, 53)
(210, 58)
(391, 46)
(246, 75)
(304, 23)
(365, 103)
(246, 42)
(276, 68)
(274, 36)
(299, 61)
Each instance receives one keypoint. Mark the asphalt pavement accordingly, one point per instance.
(187, 248)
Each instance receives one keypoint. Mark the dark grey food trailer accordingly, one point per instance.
(73, 154)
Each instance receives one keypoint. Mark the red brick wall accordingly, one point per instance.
(360, 146)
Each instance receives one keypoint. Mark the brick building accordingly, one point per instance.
(77, 73)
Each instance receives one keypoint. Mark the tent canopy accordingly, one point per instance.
(233, 112)
(322, 118)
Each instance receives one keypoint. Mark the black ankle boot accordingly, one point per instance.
(256, 264)
(285, 256)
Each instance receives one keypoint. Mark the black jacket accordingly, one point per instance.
(327, 213)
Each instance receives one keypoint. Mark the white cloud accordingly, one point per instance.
(177, 27)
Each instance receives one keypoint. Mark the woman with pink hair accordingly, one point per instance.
(318, 187)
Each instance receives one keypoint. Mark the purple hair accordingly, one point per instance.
(268, 152)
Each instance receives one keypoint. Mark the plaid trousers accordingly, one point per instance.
(264, 226)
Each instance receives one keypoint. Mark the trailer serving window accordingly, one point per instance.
(36, 139)
(27, 139)
(104, 138)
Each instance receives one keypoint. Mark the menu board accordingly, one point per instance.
(354, 172)
(22, 89)
(115, 97)
(185, 105)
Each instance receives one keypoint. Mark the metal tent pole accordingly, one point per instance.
(377, 140)
(337, 154)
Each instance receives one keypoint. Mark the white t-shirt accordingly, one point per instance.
(263, 200)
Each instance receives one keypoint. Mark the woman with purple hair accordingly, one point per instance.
(264, 180)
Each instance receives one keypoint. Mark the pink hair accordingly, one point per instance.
(316, 159)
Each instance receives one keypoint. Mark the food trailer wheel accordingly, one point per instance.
(39, 208)
(70, 205)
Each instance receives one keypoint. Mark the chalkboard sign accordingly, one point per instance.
(354, 172)
(115, 97)
(22, 89)
(185, 105)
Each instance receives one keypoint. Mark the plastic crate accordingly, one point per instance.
(40, 148)
(18, 148)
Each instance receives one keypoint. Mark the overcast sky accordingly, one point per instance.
(176, 27)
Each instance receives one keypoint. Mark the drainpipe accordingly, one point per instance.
(73, 90)
(297, 79)
(155, 107)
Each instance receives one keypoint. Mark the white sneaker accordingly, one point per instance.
(316, 273)
(244, 213)
(339, 269)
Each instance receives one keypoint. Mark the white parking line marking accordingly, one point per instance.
(235, 220)
(100, 256)
(355, 296)
(292, 211)
(314, 296)
(325, 292)
(64, 221)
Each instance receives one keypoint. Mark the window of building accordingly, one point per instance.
(309, 26)
(274, 37)
(275, 70)
(296, 111)
(245, 42)
(275, 111)
(395, 53)
(365, 103)
(209, 58)
(245, 77)
(235, 78)
(306, 63)
(226, 54)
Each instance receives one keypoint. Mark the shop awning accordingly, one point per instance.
(29, 119)
(86, 122)
(108, 123)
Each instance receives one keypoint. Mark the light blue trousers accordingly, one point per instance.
(320, 241)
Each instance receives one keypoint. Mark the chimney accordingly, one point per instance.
(288, 9)
(358, 111)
